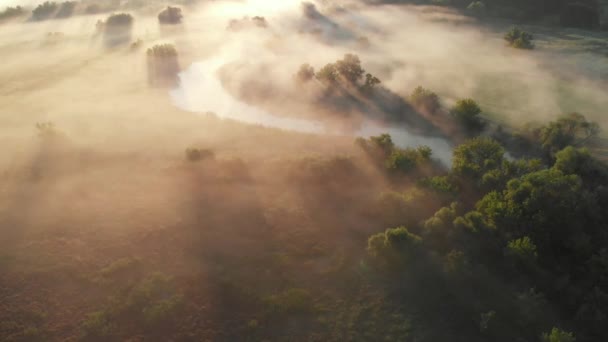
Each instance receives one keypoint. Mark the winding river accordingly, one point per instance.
(200, 90)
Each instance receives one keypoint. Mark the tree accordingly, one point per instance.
(117, 29)
(519, 39)
(163, 65)
(66, 9)
(571, 129)
(11, 12)
(425, 100)
(350, 68)
(170, 16)
(467, 113)
(306, 73)
(328, 74)
(44, 11)
(476, 157)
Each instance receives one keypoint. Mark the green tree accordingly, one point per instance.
(393, 248)
(467, 113)
(425, 100)
(476, 157)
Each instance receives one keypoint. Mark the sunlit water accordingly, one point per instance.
(200, 91)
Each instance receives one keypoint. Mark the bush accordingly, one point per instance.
(198, 154)
(11, 12)
(170, 16)
(425, 100)
(44, 10)
(519, 39)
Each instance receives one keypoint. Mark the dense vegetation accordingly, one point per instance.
(576, 13)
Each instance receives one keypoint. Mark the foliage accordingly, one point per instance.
(306, 73)
(44, 10)
(120, 20)
(394, 248)
(522, 248)
(568, 130)
(558, 335)
(425, 100)
(477, 7)
(66, 9)
(162, 51)
(151, 305)
(171, 16)
(348, 72)
(383, 151)
(519, 39)
(476, 157)
(11, 12)
(467, 113)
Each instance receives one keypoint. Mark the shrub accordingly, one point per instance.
(170, 16)
(44, 11)
(425, 100)
(198, 154)
(519, 39)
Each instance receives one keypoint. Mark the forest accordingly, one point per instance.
(416, 171)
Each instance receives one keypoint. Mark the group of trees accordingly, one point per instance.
(48, 10)
(384, 153)
(576, 13)
(530, 232)
(345, 72)
(11, 12)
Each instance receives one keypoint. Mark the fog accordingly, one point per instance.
(239, 175)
